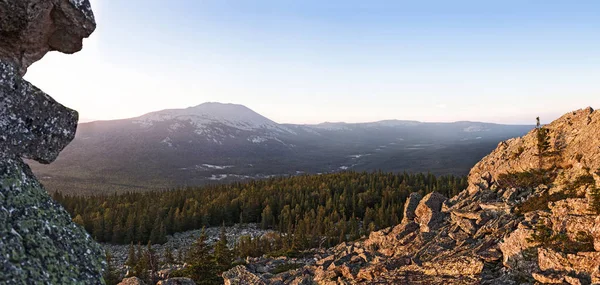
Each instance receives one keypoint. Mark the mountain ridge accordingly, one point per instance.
(170, 148)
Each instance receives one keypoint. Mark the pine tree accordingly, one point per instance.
(267, 218)
(223, 255)
(142, 266)
(543, 143)
(202, 266)
(110, 276)
(152, 263)
(131, 257)
(595, 200)
(169, 258)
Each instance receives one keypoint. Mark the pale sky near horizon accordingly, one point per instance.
(353, 61)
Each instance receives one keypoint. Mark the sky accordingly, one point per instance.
(353, 61)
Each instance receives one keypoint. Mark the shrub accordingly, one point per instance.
(285, 267)
(524, 179)
(540, 203)
(595, 200)
(560, 242)
(518, 153)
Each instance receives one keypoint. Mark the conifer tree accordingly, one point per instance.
(202, 267)
(223, 255)
(543, 143)
(131, 257)
(142, 266)
(110, 276)
(169, 258)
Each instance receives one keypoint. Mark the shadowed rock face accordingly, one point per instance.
(31, 28)
(39, 243)
(33, 124)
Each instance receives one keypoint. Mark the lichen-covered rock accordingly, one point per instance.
(39, 243)
(33, 125)
(31, 28)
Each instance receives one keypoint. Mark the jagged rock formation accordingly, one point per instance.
(39, 244)
(514, 224)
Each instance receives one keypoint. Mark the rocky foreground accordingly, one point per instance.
(39, 244)
(529, 227)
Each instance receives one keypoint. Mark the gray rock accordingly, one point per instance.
(31, 28)
(33, 124)
(39, 243)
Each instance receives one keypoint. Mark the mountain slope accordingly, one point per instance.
(518, 222)
(216, 142)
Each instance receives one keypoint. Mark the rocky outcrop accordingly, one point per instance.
(514, 224)
(31, 28)
(428, 213)
(39, 244)
(410, 207)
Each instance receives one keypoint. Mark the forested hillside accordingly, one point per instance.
(315, 209)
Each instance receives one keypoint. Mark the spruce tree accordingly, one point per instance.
(131, 257)
(223, 255)
(543, 143)
(169, 258)
(110, 276)
(202, 267)
(142, 266)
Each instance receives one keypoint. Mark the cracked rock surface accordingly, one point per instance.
(39, 243)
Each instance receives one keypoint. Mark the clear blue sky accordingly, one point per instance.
(313, 61)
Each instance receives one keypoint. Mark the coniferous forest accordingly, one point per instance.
(310, 210)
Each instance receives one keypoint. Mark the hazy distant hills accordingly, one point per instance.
(216, 142)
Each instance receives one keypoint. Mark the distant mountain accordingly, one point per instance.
(215, 142)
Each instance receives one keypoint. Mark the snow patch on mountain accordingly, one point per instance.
(211, 114)
(475, 128)
(216, 166)
(167, 141)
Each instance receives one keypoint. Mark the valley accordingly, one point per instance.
(222, 143)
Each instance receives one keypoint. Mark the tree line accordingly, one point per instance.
(308, 210)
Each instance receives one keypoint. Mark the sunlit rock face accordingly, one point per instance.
(39, 243)
(497, 231)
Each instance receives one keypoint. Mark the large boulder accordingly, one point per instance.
(410, 206)
(31, 28)
(39, 243)
(428, 213)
